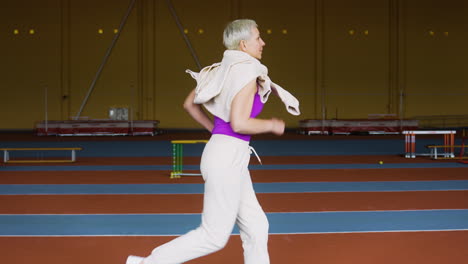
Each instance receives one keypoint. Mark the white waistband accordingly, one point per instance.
(237, 141)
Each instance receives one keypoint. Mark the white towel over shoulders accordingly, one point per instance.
(218, 84)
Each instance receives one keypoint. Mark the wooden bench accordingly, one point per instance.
(445, 155)
(6, 155)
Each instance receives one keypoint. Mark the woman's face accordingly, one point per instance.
(254, 45)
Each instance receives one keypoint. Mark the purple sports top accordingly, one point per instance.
(222, 127)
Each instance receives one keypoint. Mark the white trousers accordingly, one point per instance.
(229, 199)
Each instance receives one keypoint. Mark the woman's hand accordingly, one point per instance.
(242, 123)
(278, 126)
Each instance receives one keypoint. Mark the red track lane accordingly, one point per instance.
(362, 248)
(329, 175)
(271, 202)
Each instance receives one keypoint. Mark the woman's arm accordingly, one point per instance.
(196, 112)
(242, 123)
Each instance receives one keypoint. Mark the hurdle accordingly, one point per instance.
(178, 155)
(410, 141)
(6, 155)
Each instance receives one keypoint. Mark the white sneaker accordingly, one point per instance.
(134, 260)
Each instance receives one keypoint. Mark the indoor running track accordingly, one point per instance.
(321, 208)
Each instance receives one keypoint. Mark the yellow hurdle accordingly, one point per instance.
(177, 157)
(6, 155)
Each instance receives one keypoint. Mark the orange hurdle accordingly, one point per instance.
(410, 142)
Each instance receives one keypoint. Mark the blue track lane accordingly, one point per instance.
(280, 223)
(308, 147)
(251, 167)
(277, 187)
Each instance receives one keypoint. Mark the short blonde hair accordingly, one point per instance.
(236, 31)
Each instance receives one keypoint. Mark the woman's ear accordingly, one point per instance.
(242, 46)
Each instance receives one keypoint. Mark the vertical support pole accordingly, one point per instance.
(393, 16)
(446, 143)
(181, 155)
(65, 59)
(401, 58)
(319, 62)
(406, 146)
(132, 103)
(452, 152)
(45, 111)
(145, 108)
(462, 149)
(174, 160)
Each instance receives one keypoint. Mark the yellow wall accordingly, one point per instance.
(435, 66)
(341, 58)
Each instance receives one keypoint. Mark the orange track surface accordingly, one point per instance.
(363, 248)
(325, 175)
(192, 203)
